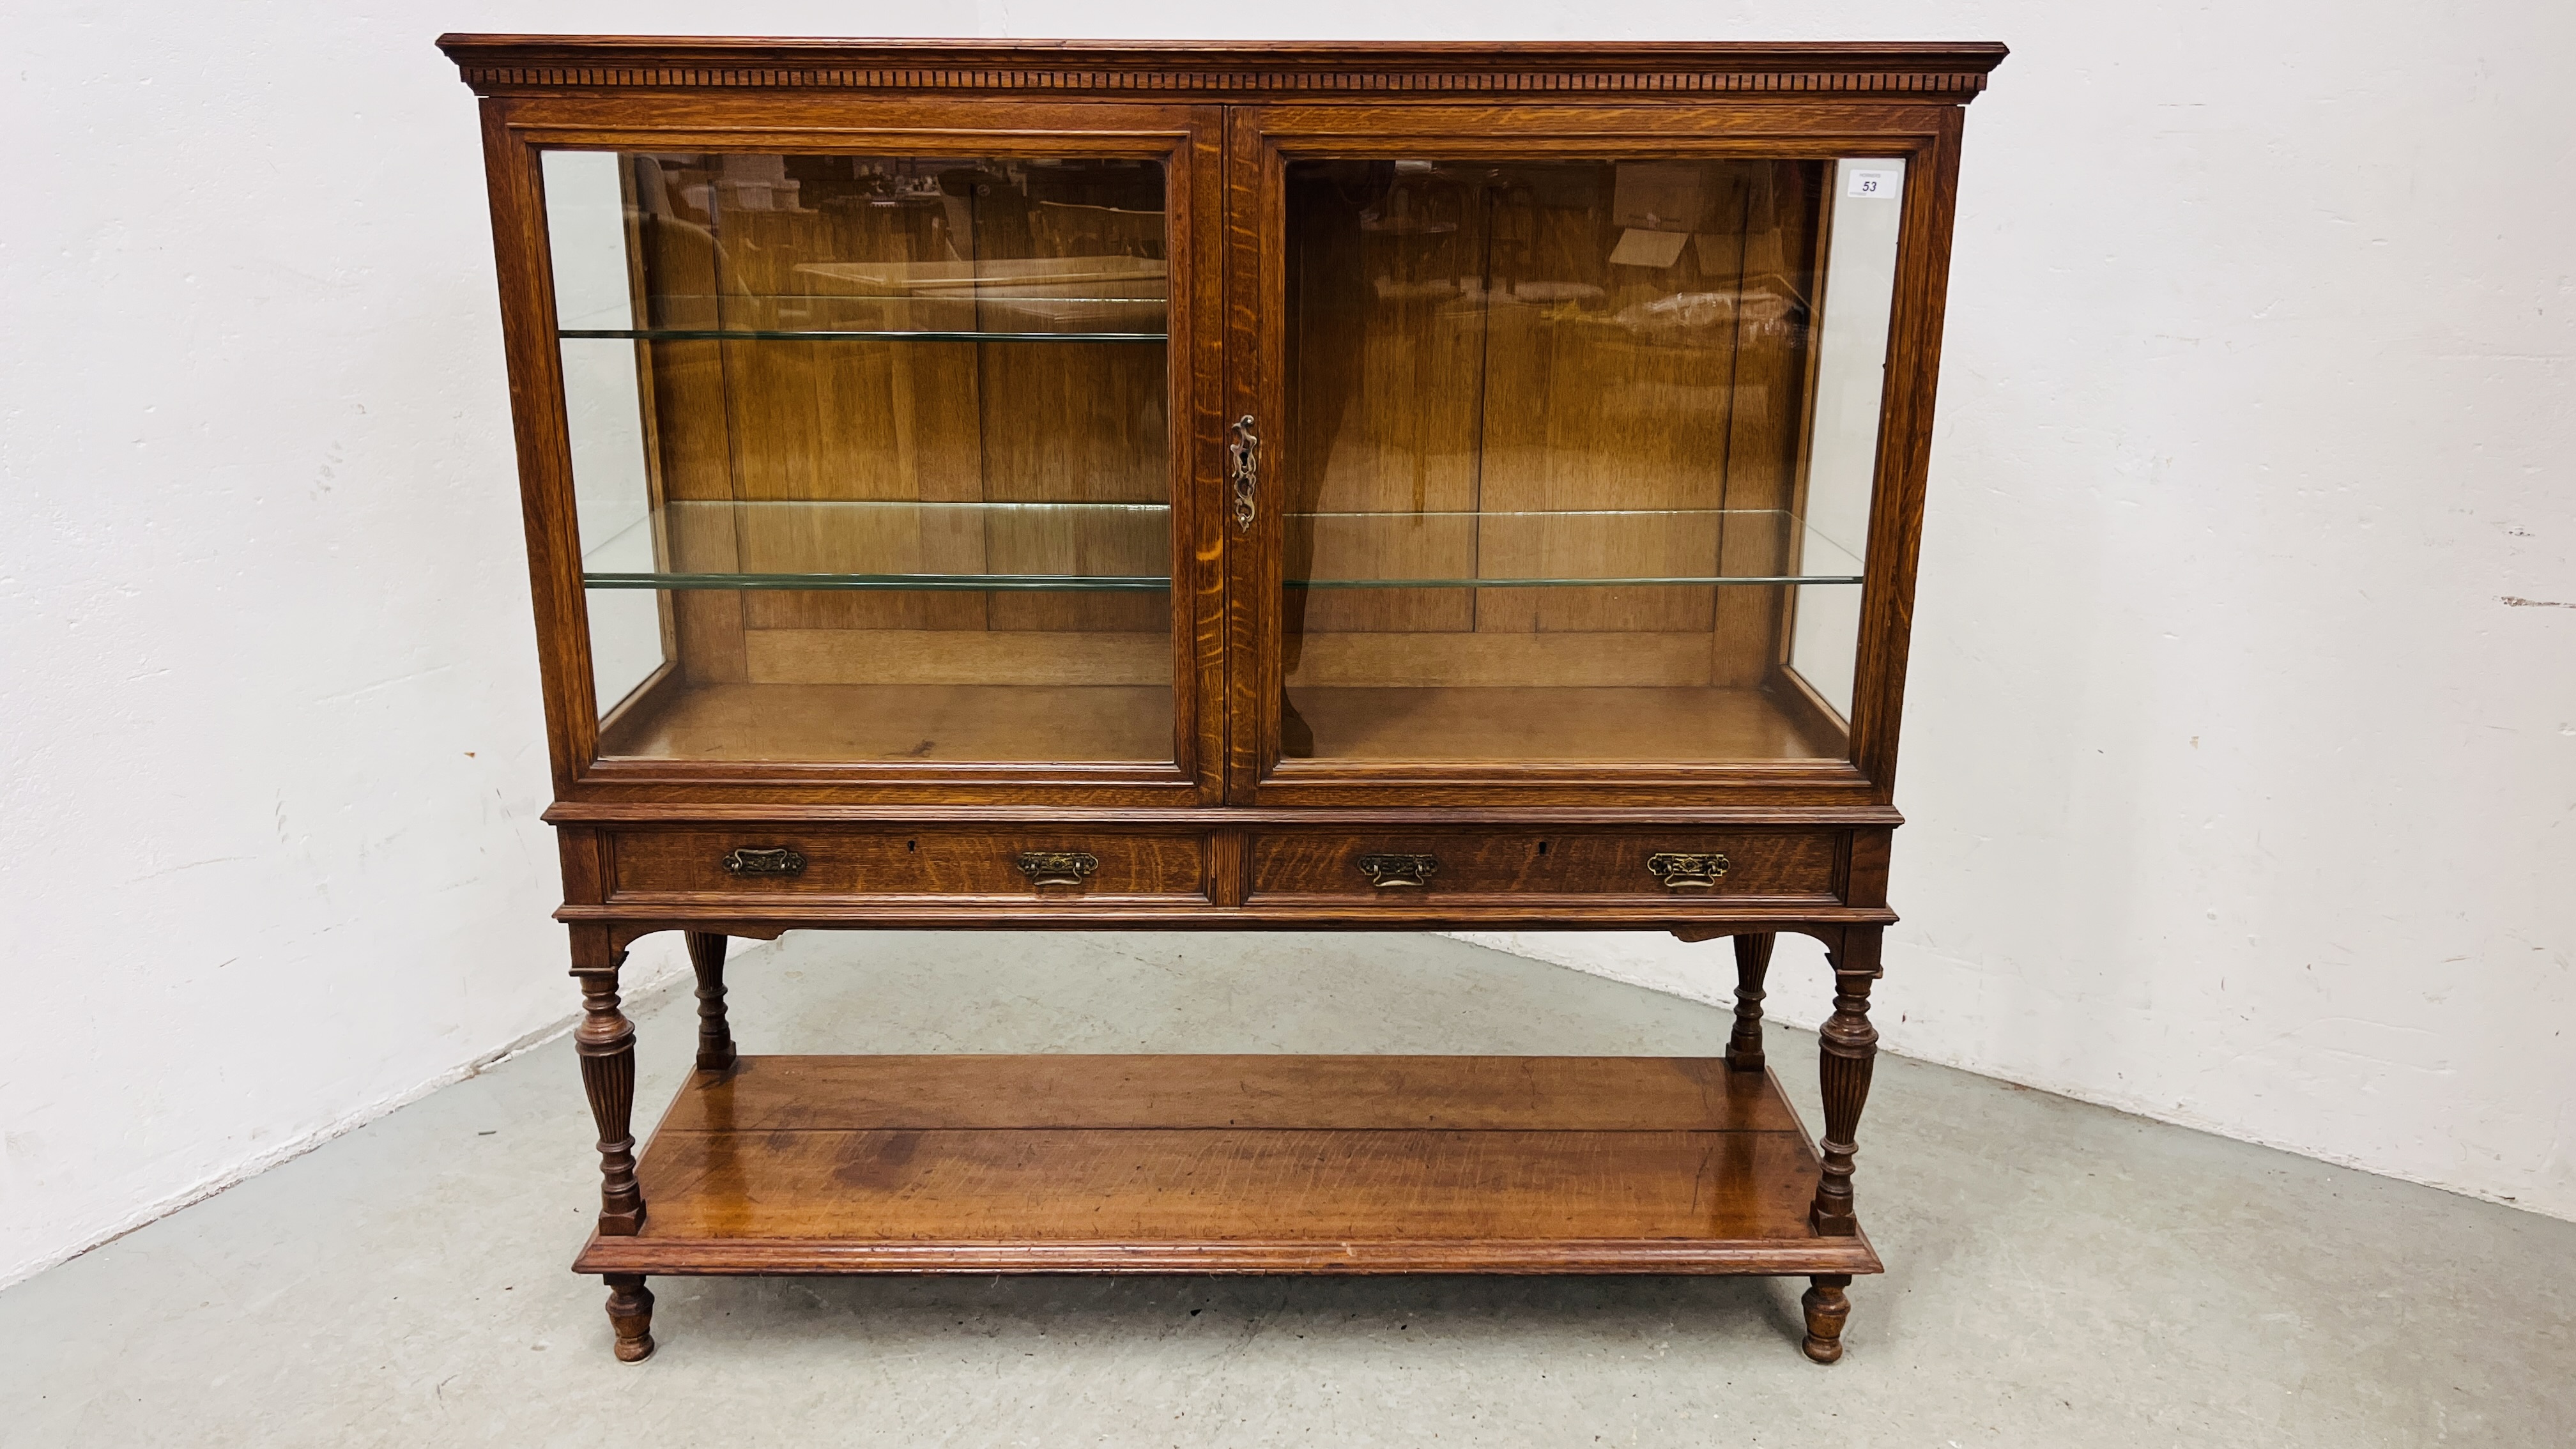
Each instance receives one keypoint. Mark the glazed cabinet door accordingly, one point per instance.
(868, 441)
(1587, 457)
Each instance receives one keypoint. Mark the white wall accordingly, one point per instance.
(2243, 779)
(2242, 792)
(271, 757)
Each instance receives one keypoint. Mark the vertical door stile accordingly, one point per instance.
(1252, 636)
(1201, 498)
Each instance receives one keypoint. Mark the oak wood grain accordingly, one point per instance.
(1355, 1164)
(1041, 721)
(1953, 71)
(1761, 865)
(651, 863)
(988, 657)
(1570, 723)
(708, 811)
(734, 915)
(731, 1255)
(1160, 1184)
(1246, 1092)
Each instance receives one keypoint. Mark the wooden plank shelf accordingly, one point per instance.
(1228, 1164)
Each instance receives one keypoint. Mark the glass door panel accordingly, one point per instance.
(1578, 456)
(870, 454)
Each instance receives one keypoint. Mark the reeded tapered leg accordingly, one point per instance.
(606, 1042)
(1752, 963)
(1847, 1046)
(715, 1037)
(630, 1313)
(1826, 1309)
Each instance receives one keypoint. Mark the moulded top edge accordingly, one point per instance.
(1953, 70)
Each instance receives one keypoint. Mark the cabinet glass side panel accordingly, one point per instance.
(870, 454)
(1578, 457)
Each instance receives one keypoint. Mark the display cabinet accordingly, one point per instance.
(1220, 487)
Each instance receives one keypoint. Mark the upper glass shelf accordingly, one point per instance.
(1055, 299)
(1598, 581)
(830, 583)
(818, 334)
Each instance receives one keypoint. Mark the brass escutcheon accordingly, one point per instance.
(747, 861)
(1391, 872)
(1057, 867)
(1686, 872)
(1243, 469)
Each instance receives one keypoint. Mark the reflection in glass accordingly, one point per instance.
(869, 453)
(1578, 463)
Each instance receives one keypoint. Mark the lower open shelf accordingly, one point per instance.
(1228, 1164)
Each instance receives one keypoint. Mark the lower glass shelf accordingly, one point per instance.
(1148, 583)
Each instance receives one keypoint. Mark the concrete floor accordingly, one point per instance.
(2059, 1274)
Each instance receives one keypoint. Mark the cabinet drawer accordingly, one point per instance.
(802, 863)
(1796, 865)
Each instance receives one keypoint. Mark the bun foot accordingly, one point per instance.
(1826, 1309)
(630, 1313)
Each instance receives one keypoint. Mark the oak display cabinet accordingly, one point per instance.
(1219, 487)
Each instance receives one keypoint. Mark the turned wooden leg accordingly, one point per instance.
(715, 1038)
(1847, 1047)
(1752, 963)
(1826, 1309)
(606, 1042)
(630, 1313)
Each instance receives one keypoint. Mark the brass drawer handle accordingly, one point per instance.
(1685, 872)
(1057, 867)
(747, 861)
(1394, 872)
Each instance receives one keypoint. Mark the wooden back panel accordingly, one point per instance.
(747, 243)
(1491, 374)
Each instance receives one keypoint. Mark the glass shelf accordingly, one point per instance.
(1063, 299)
(977, 583)
(1074, 583)
(621, 311)
(840, 544)
(712, 334)
(815, 543)
(1605, 582)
